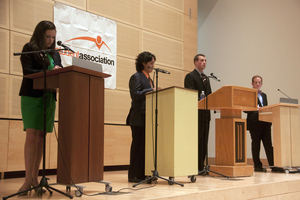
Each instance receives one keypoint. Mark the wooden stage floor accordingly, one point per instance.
(262, 186)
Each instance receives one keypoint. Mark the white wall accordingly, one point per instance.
(242, 38)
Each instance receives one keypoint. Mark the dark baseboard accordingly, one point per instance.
(21, 174)
(116, 168)
(212, 161)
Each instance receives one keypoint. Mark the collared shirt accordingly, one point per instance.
(202, 77)
(199, 72)
(148, 77)
(260, 99)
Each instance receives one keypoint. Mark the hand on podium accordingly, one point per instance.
(159, 88)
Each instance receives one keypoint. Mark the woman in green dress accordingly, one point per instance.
(43, 38)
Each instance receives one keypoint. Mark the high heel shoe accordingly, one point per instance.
(23, 193)
(38, 190)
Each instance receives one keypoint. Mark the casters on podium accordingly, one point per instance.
(192, 178)
(79, 192)
(171, 182)
(108, 188)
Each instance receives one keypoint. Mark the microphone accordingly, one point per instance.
(283, 93)
(160, 70)
(213, 76)
(59, 43)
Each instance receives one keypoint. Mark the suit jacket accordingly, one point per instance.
(31, 65)
(252, 116)
(194, 81)
(139, 85)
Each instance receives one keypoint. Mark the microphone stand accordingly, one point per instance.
(284, 93)
(206, 169)
(43, 182)
(155, 174)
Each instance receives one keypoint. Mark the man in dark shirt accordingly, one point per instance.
(259, 130)
(197, 80)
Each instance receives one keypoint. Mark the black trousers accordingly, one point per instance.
(203, 131)
(261, 131)
(137, 153)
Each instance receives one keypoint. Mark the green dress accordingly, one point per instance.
(32, 109)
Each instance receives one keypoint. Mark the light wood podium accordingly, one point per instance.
(81, 122)
(177, 135)
(231, 151)
(286, 133)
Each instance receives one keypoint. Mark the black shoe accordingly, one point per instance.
(135, 180)
(260, 169)
(277, 169)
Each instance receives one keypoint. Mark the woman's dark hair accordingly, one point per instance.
(143, 57)
(37, 39)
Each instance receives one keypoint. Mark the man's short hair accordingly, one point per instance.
(197, 57)
(256, 76)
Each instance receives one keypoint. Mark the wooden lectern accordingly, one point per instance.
(81, 122)
(286, 133)
(177, 135)
(231, 151)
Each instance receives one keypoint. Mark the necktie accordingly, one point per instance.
(203, 76)
(259, 91)
(260, 98)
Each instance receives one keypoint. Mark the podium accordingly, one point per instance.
(177, 135)
(231, 151)
(81, 122)
(286, 133)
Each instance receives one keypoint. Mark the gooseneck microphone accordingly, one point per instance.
(283, 93)
(160, 70)
(214, 77)
(59, 43)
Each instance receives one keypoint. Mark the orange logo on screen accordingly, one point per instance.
(98, 41)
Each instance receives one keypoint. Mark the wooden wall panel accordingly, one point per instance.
(175, 78)
(189, 42)
(15, 160)
(25, 15)
(175, 4)
(14, 98)
(122, 10)
(81, 4)
(117, 141)
(17, 42)
(52, 158)
(168, 52)
(124, 71)
(16, 141)
(4, 44)
(4, 14)
(129, 41)
(162, 20)
(193, 6)
(117, 105)
(57, 106)
(4, 124)
(163, 27)
(47, 153)
(4, 94)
